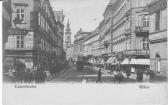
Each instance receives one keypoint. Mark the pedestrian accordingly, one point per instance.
(120, 76)
(99, 76)
(139, 76)
(128, 73)
(146, 76)
(115, 75)
(151, 74)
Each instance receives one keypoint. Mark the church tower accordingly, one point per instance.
(68, 36)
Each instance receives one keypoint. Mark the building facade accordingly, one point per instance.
(70, 53)
(6, 9)
(158, 37)
(34, 37)
(92, 44)
(105, 30)
(59, 17)
(130, 28)
(6, 23)
(79, 43)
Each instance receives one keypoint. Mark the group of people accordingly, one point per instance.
(119, 71)
(28, 76)
(21, 74)
(119, 76)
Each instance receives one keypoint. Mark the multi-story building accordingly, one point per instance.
(6, 23)
(92, 44)
(34, 38)
(79, 43)
(105, 33)
(158, 37)
(102, 39)
(59, 17)
(6, 9)
(130, 27)
(70, 53)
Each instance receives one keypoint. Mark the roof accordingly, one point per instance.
(91, 36)
(80, 32)
(59, 16)
(157, 5)
(109, 6)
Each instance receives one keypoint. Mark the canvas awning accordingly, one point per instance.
(136, 62)
(108, 61)
(140, 62)
(125, 62)
(112, 61)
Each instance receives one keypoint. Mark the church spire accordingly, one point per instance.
(67, 36)
(68, 27)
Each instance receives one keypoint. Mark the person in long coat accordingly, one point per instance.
(139, 76)
(99, 76)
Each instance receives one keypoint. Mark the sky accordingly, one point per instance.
(85, 14)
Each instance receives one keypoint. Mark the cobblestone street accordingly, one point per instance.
(88, 75)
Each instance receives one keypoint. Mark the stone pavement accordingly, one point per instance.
(88, 75)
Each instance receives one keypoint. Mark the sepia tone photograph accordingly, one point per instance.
(122, 43)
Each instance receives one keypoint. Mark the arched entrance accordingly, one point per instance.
(157, 63)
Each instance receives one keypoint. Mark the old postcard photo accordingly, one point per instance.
(83, 52)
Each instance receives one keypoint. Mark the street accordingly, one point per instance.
(88, 75)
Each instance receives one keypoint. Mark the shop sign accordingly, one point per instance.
(15, 31)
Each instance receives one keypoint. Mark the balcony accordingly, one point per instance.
(142, 31)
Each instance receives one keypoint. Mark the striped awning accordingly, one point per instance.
(111, 60)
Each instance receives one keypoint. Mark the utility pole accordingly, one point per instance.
(111, 28)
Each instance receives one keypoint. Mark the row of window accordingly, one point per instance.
(125, 25)
(122, 11)
(91, 47)
(124, 45)
(20, 43)
(120, 29)
(45, 46)
(120, 46)
(158, 21)
(44, 25)
(20, 13)
(45, 7)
